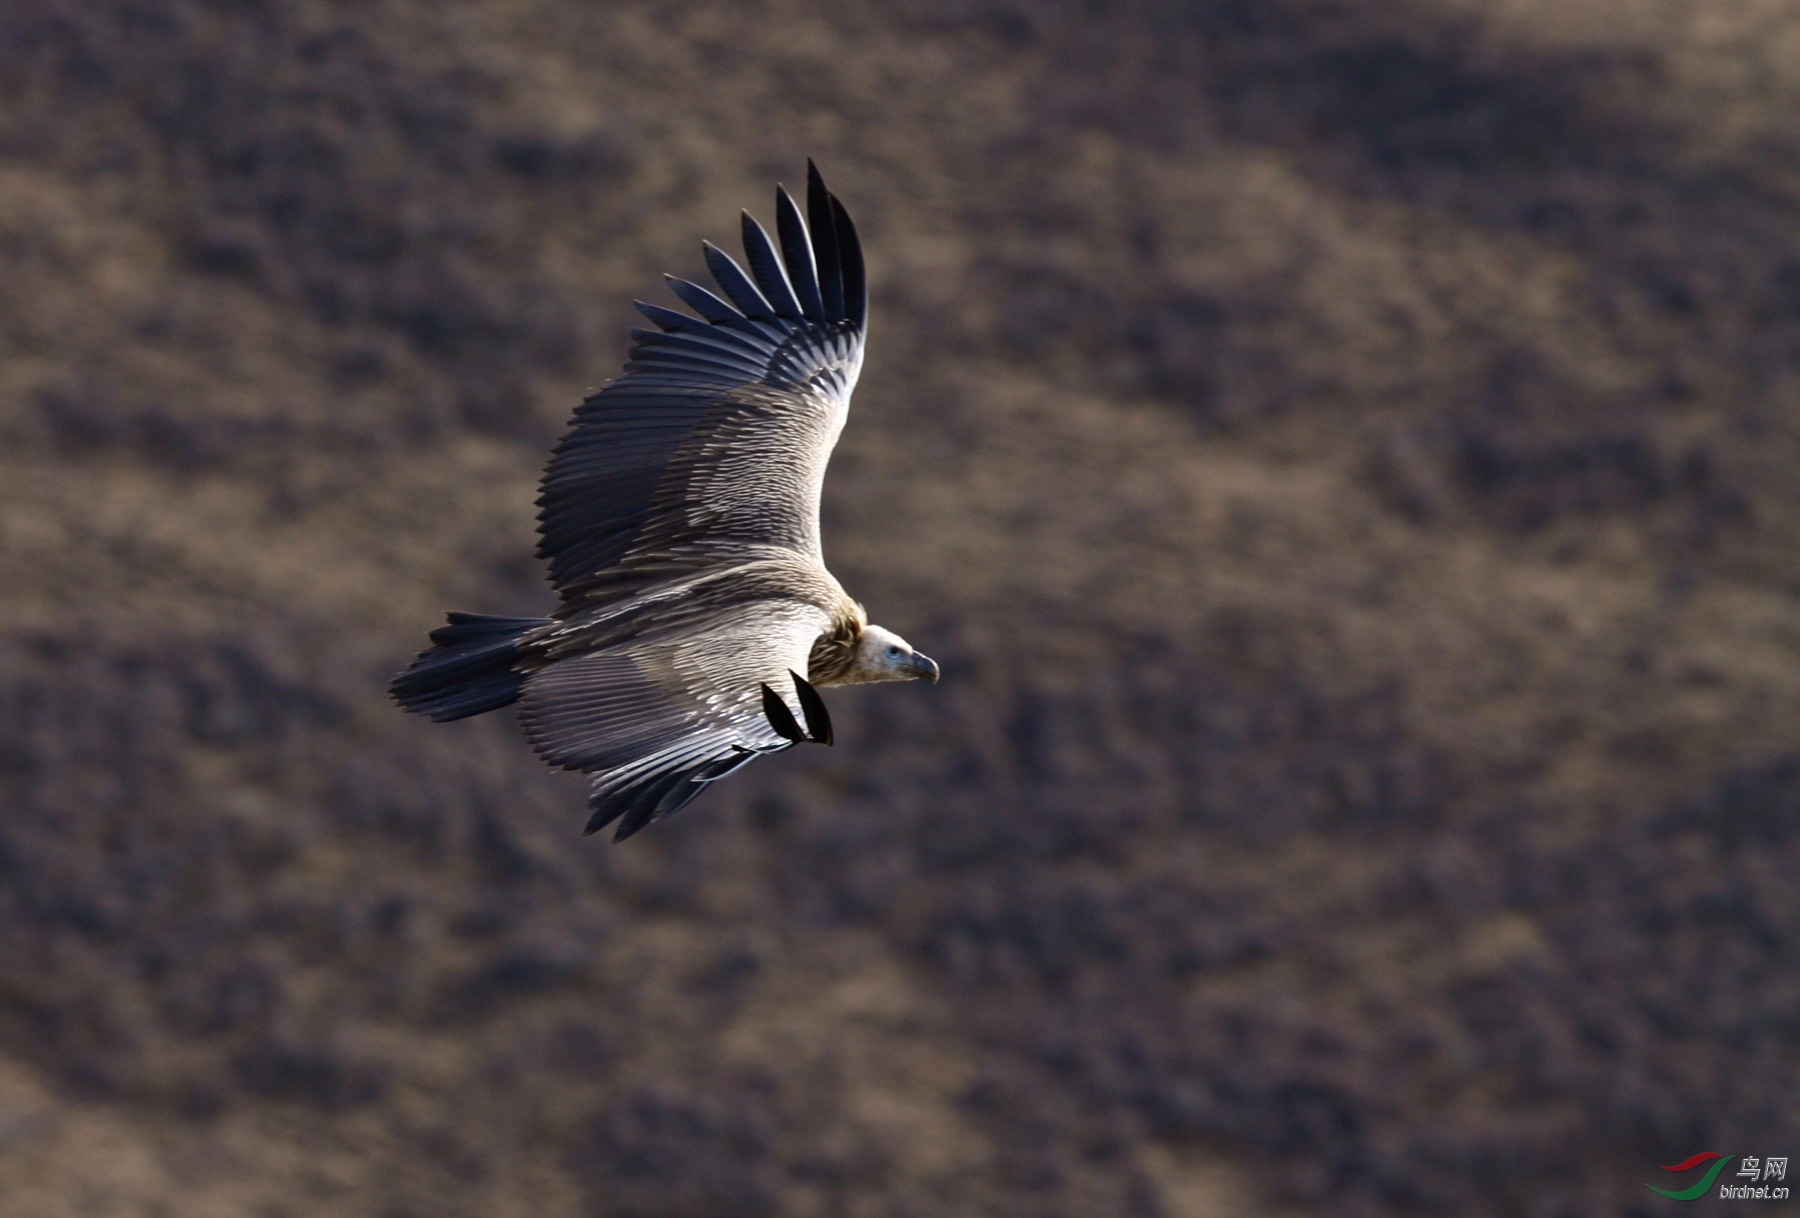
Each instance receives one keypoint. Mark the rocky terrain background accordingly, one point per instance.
(1343, 454)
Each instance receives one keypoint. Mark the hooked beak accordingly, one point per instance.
(924, 667)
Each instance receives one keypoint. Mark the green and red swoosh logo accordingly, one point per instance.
(1699, 1190)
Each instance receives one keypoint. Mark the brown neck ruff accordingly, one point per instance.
(834, 654)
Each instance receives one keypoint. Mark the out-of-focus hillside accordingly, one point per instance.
(1343, 455)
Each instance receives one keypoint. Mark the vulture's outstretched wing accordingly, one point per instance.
(713, 444)
(657, 720)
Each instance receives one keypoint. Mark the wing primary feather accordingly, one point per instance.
(825, 244)
(796, 251)
(780, 717)
(668, 320)
(665, 793)
(639, 812)
(770, 277)
(677, 794)
(702, 301)
(856, 287)
(818, 719)
(737, 285)
(603, 816)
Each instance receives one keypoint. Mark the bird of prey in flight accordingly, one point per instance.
(680, 520)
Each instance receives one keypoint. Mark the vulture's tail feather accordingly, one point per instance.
(472, 668)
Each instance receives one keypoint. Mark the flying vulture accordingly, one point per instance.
(680, 520)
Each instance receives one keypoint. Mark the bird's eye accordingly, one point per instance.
(893, 653)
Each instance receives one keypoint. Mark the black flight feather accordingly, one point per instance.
(818, 719)
(825, 243)
(780, 717)
(668, 320)
(796, 251)
(856, 288)
(641, 810)
(735, 283)
(702, 301)
(766, 266)
(604, 815)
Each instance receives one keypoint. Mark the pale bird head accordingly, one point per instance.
(882, 655)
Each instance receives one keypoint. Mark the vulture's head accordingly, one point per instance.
(882, 655)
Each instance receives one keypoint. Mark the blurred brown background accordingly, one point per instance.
(1343, 455)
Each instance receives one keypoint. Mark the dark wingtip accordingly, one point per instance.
(818, 719)
(703, 302)
(640, 810)
(766, 268)
(826, 251)
(796, 252)
(856, 286)
(780, 717)
(738, 287)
